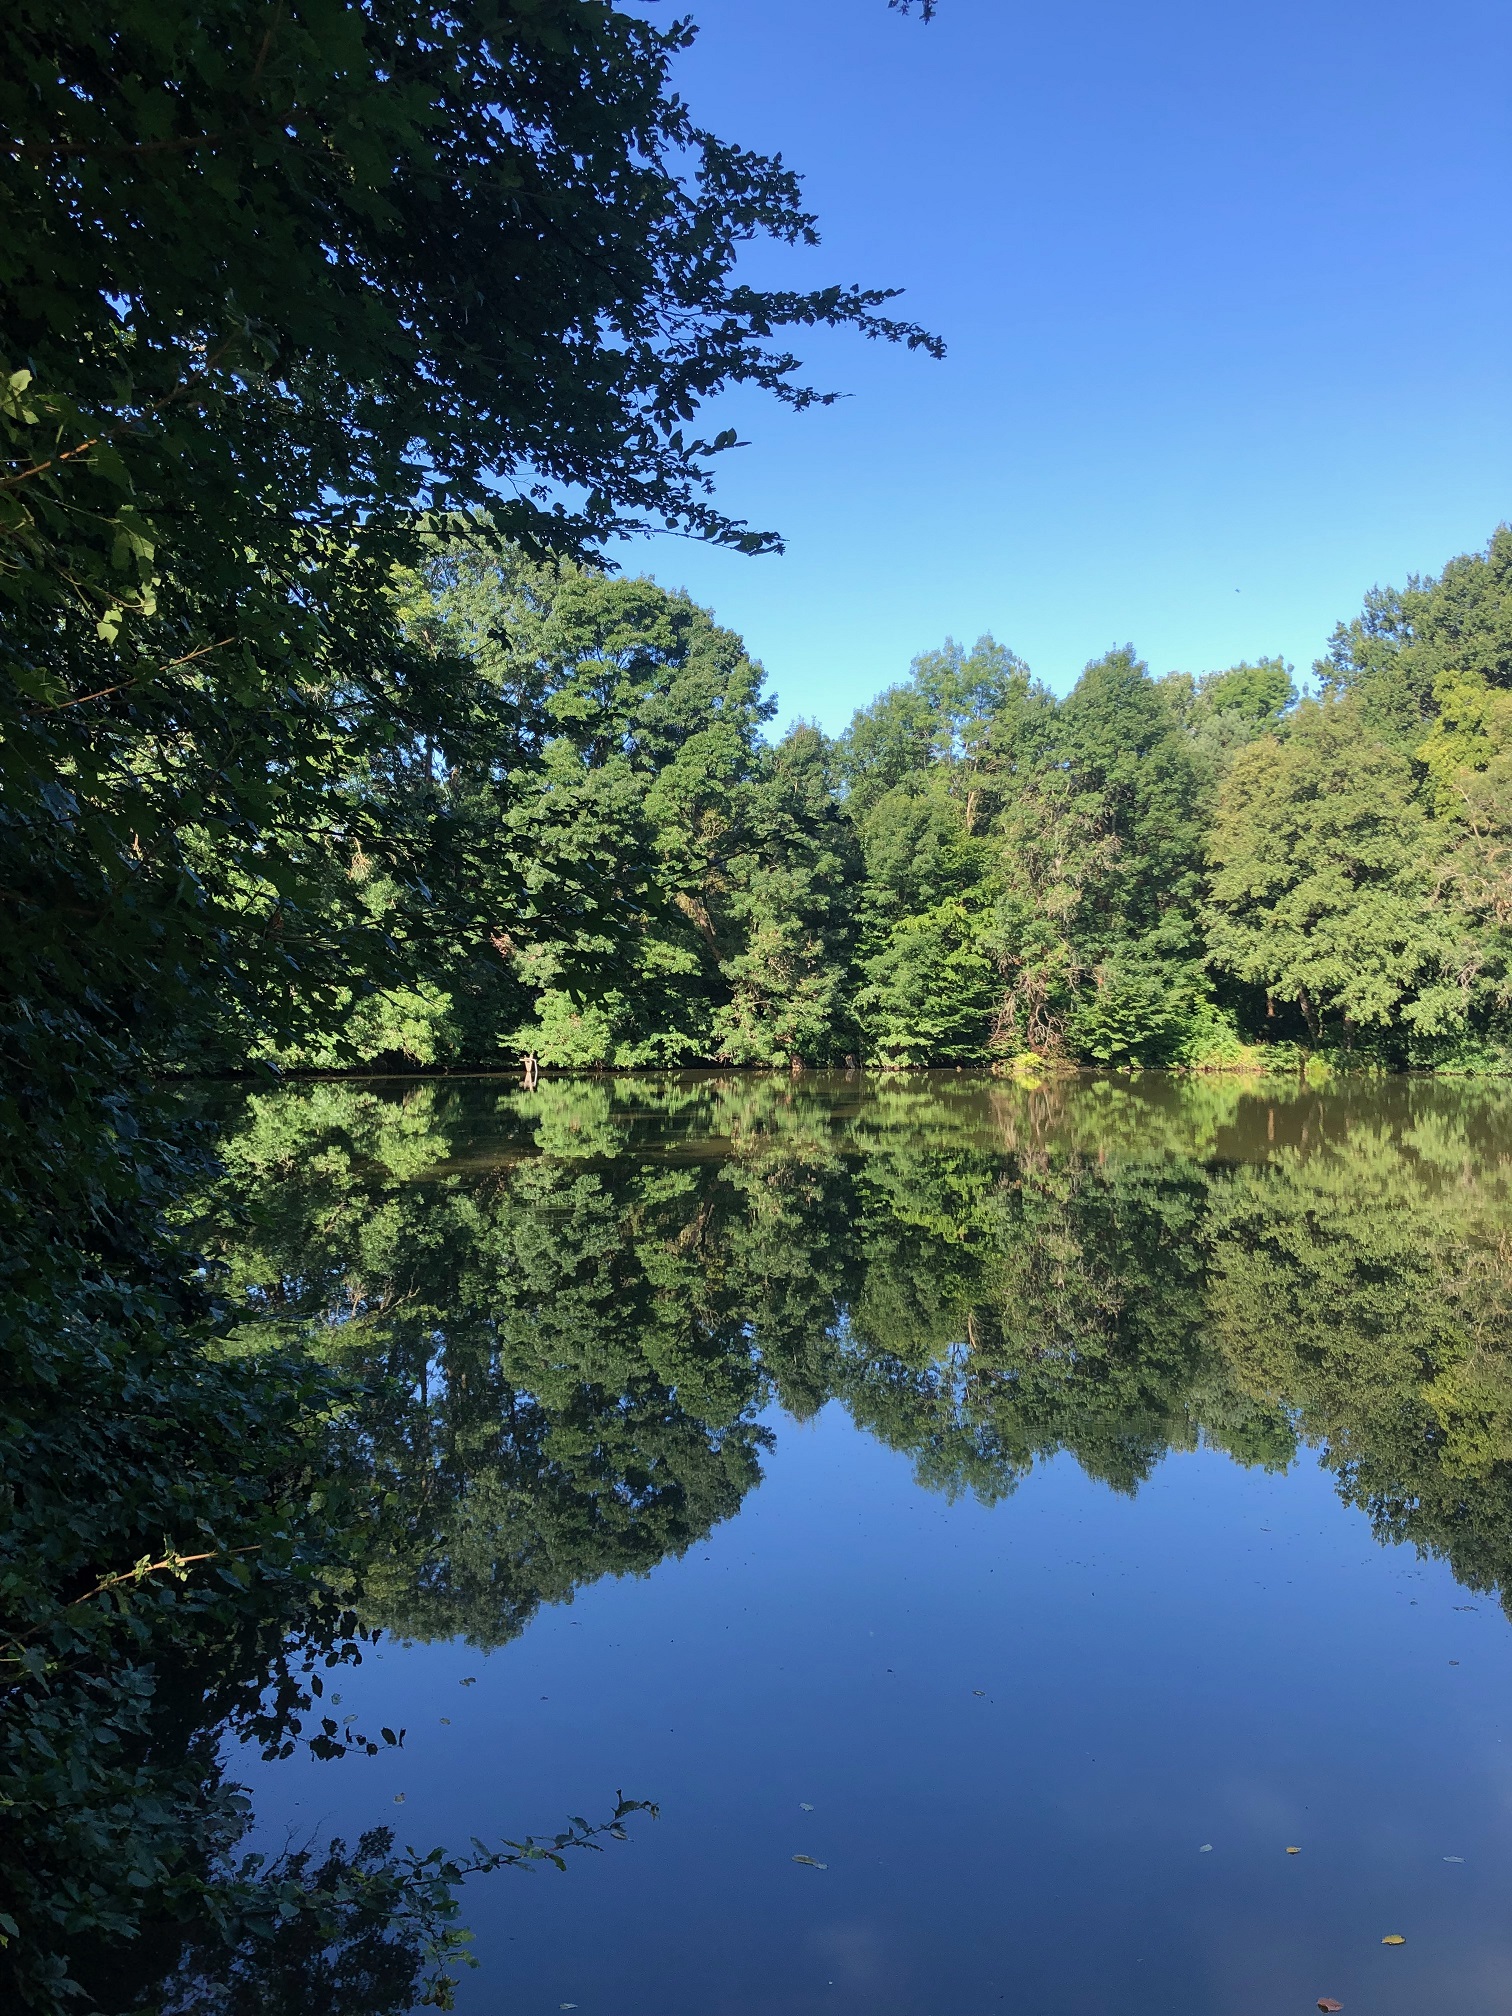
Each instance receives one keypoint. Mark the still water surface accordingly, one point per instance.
(1042, 1508)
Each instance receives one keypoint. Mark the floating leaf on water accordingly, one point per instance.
(980, 1693)
(447, 1720)
(398, 1798)
(1328, 2005)
(470, 1681)
(809, 1862)
(805, 1805)
(1393, 1939)
(1206, 1848)
(1294, 1851)
(1454, 1858)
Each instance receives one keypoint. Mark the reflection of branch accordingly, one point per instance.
(579, 1834)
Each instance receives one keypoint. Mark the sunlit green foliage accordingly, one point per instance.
(1323, 888)
(1189, 871)
(1457, 627)
(686, 882)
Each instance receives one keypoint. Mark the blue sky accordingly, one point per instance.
(1227, 293)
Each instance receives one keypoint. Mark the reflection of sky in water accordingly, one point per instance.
(1156, 1674)
(1016, 1724)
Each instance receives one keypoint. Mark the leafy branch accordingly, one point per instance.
(173, 1563)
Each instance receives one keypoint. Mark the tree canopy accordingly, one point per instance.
(1196, 870)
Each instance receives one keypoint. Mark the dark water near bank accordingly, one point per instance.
(1040, 1507)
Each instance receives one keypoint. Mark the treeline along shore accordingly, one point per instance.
(1205, 871)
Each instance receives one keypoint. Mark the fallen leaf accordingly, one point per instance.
(809, 1862)
(1206, 1848)
(1454, 1662)
(980, 1693)
(1328, 2004)
(398, 1798)
(1393, 1939)
(805, 1805)
(1294, 1851)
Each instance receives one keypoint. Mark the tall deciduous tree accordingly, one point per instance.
(1455, 625)
(1325, 887)
(792, 898)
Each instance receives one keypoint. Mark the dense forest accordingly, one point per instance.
(1202, 871)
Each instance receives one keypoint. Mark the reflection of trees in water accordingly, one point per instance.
(566, 1347)
(582, 1297)
(564, 1313)
(1144, 1270)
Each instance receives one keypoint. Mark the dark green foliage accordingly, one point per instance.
(292, 297)
(422, 227)
(1141, 1010)
(689, 881)
(917, 851)
(1137, 786)
(930, 992)
(952, 705)
(791, 903)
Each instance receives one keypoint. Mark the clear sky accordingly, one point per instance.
(1226, 288)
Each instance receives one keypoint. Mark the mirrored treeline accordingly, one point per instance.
(578, 1300)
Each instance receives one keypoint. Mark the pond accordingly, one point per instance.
(1038, 1546)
